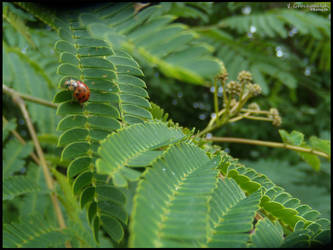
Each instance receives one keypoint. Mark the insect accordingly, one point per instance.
(81, 90)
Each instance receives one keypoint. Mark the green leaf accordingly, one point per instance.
(130, 174)
(81, 181)
(136, 111)
(153, 40)
(17, 153)
(245, 182)
(74, 149)
(78, 165)
(298, 239)
(128, 143)
(295, 138)
(69, 108)
(119, 180)
(96, 62)
(14, 16)
(106, 123)
(112, 227)
(267, 234)
(311, 159)
(144, 159)
(7, 127)
(72, 121)
(179, 185)
(113, 209)
(69, 70)
(117, 98)
(95, 226)
(107, 192)
(64, 46)
(99, 73)
(87, 195)
(275, 201)
(17, 185)
(72, 135)
(103, 109)
(33, 232)
(321, 145)
(232, 214)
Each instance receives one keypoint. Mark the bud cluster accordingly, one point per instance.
(254, 89)
(223, 76)
(233, 88)
(274, 114)
(244, 76)
(254, 106)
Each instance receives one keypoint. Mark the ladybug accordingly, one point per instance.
(81, 90)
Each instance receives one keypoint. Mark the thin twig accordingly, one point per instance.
(18, 100)
(31, 98)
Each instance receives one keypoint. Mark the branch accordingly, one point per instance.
(29, 97)
(268, 144)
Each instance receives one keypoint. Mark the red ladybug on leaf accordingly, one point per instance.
(81, 90)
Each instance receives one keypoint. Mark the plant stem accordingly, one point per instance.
(258, 118)
(239, 117)
(269, 144)
(216, 101)
(30, 98)
(241, 103)
(255, 111)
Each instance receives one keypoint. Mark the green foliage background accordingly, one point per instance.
(297, 83)
(302, 98)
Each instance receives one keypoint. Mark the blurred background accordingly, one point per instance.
(287, 47)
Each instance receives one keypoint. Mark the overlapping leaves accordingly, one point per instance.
(177, 188)
(275, 201)
(33, 232)
(232, 215)
(134, 146)
(178, 203)
(149, 35)
(117, 97)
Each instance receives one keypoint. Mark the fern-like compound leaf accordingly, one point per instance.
(178, 185)
(131, 145)
(155, 40)
(33, 232)
(232, 215)
(267, 234)
(117, 98)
